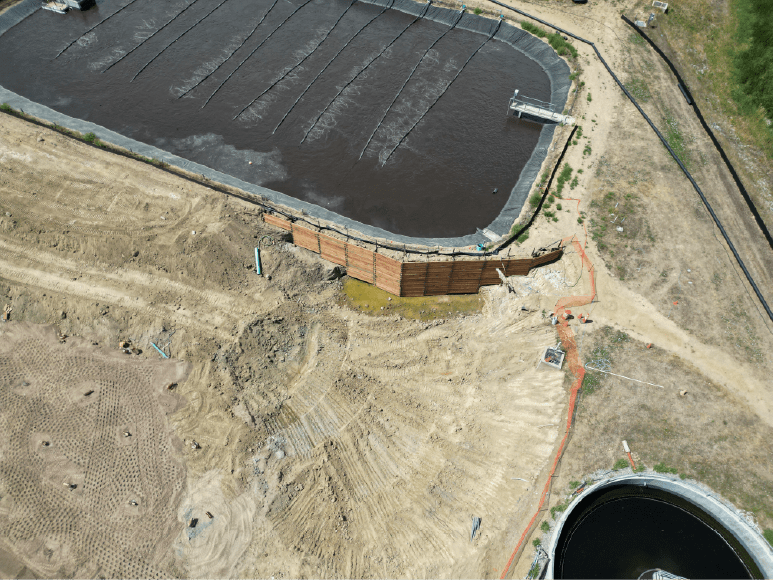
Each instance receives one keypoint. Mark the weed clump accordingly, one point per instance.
(663, 468)
(563, 177)
(533, 28)
(561, 46)
(620, 464)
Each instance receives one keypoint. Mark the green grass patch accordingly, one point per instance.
(478, 11)
(676, 139)
(535, 199)
(523, 237)
(545, 527)
(535, 569)
(536, 542)
(563, 177)
(533, 28)
(6, 107)
(637, 39)
(754, 62)
(589, 98)
(590, 383)
(620, 464)
(768, 535)
(663, 468)
(561, 46)
(558, 509)
(367, 298)
(639, 89)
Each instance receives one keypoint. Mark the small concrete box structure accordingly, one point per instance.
(553, 356)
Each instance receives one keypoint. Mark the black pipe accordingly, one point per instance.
(335, 56)
(93, 27)
(442, 93)
(343, 88)
(667, 146)
(246, 38)
(410, 76)
(691, 101)
(299, 63)
(254, 50)
(194, 25)
(515, 236)
(152, 35)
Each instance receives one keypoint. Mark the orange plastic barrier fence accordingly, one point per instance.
(575, 366)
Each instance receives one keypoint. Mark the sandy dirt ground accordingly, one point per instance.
(66, 510)
(325, 441)
(328, 442)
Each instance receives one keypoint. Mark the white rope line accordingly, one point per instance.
(622, 377)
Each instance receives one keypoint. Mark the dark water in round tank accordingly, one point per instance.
(438, 183)
(620, 535)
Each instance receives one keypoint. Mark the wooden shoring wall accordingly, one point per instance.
(408, 278)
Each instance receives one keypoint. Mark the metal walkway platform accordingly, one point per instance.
(538, 109)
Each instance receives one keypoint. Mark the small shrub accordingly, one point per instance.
(558, 508)
(639, 468)
(545, 527)
(536, 542)
(563, 177)
(558, 207)
(523, 237)
(561, 46)
(89, 138)
(478, 11)
(6, 107)
(579, 132)
(534, 199)
(663, 468)
(620, 464)
(574, 484)
(590, 383)
(589, 98)
(533, 28)
(587, 150)
(580, 220)
(574, 184)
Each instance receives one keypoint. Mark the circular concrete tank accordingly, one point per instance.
(627, 525)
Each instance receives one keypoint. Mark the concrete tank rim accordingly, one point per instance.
(715, 506)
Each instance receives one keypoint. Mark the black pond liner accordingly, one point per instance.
(436, 188)
(623, 531)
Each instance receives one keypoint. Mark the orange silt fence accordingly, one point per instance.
(577, 369)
